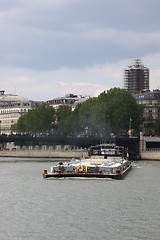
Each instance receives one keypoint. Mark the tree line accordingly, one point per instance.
(109, 113)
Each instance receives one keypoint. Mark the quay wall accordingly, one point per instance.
(144, 155)
(150, 155)
(44, 153)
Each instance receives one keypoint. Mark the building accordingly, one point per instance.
(151, 102)
(11, 108)
(136, 77)
(70, 99)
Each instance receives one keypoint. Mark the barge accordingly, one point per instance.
(105, 161)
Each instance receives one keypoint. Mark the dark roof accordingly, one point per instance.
(147, 95)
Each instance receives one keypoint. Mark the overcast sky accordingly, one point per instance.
(49, 48)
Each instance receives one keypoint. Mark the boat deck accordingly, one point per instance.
(117, 175)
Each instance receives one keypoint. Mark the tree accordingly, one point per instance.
(117, 108)
(110, 112)
(62, 112)
(45, 115)
(63, 115)
(85, 117)
(36, 120)
(77, 121)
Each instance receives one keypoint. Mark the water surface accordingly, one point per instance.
(35, 208)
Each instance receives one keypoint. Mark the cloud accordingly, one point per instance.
(84, 84)
(152, 61)
(56, 49)
(107, 71)
(22, 84)
(50, 48)
(43, 85)
(53, 34)
(34, 89)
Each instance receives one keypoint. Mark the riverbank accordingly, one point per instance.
(44, 153)
(78, 153)
(150, 155)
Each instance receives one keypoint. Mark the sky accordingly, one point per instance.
(49, 48)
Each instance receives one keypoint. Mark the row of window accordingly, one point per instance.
(10, 116)
(150, 103)
(3, 105)
(8, 121)
(6, 111)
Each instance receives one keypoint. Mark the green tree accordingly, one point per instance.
(78, 121)
(117, 108)
(85, 117)
(62, 112)
(63, 115)
(110, 112)
(45, 116)
(36, 120)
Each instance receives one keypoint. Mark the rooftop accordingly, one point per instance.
(147, 95)
(12, 98)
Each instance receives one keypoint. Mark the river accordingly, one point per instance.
(35, 208)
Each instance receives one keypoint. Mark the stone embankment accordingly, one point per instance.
(150, 155)
(44, 153)
(149, 148)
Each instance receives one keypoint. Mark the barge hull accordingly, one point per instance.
(117, 176)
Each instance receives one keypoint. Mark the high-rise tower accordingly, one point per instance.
(136, 78)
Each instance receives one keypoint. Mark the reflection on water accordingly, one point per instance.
(36, 208)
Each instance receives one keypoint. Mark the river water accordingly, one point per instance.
(35, 208)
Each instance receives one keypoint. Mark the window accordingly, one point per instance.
(150, 102)
(150, 113)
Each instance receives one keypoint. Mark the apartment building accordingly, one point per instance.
(151, 102)
(12, 107)
(71, 100)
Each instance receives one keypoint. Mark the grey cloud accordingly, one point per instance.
(52, 34)
(135, 15)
